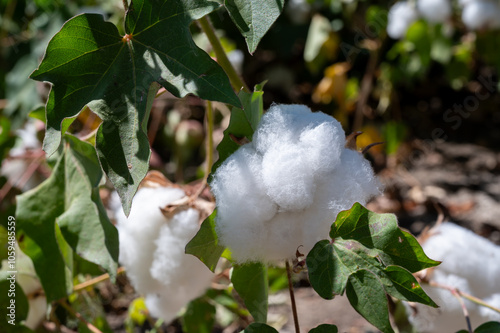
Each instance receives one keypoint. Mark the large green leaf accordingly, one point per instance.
(205, 244)
(367, 297)
(199, 317)
(242, 124)
(65, 214)
(370, 247)
(251, 283)
(254, 18)
(259, 328)
(89, 63)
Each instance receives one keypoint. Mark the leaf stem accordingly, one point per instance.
(222, 58)
(292, 297)
(68, 308)
(97, 279)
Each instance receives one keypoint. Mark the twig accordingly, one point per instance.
(456, 293)
(210, 138)
(30, 170)
(471, 298)
(95, 280)
(222, 58)
(292, 297)
(68, 308)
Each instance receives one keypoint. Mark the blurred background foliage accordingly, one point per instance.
(439, 82)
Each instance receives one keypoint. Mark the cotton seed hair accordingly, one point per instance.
(152, 251)
(285, 188)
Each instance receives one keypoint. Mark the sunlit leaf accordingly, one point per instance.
(251, 283)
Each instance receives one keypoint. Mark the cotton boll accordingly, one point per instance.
(479, 14)
(435, 11)
(284, 189)
(152, 251)
(401, 16)
(469, 263)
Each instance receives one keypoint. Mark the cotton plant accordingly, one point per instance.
(152, 251)
(282, 191)
(475, 14)
(469, 264)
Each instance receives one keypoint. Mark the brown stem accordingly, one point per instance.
(292, 298)
(125, 5)
(95, 280)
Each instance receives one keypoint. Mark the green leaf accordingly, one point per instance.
(367, 297)
(259, 328)
(199, 317)
(489, 327)
(322, 271)
(324, 328)
(254, 18)
(363, 241)
(381, 231)
(251, 283)
(65, 214)
(242, 124)
(400, 283)
(205, 244)
(89, 63)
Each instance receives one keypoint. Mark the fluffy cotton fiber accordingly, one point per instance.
(401, 16)
(285, 188)
(481, 14)
(435, 11)
(152, 251)
(469, 263)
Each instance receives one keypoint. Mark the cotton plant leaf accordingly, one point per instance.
(324, 328)
(243, 123)
(254, 18)
(251, 283)
(259, 328)
(205, 244)
(199, 317)
(89, 63)
(63, 216)
(367, 297)
(366, 246)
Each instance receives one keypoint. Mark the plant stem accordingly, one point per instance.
(292, 297)
(68, 308)
(125, 5)
(222, 58)
(210, 138)
(91, 282)
(464, 295)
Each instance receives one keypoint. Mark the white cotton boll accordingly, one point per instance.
(435, 11)
(480, 14)
(469, 263)
(152, 251)
(401, 16)
(284, 189)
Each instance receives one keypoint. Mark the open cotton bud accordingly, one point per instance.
(401, 16)
(152, 251)
(435, 11)
(469, 264)
(286, 187)
(481, 14)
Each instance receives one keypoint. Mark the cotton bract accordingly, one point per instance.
(152, 251)
(285, 188)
